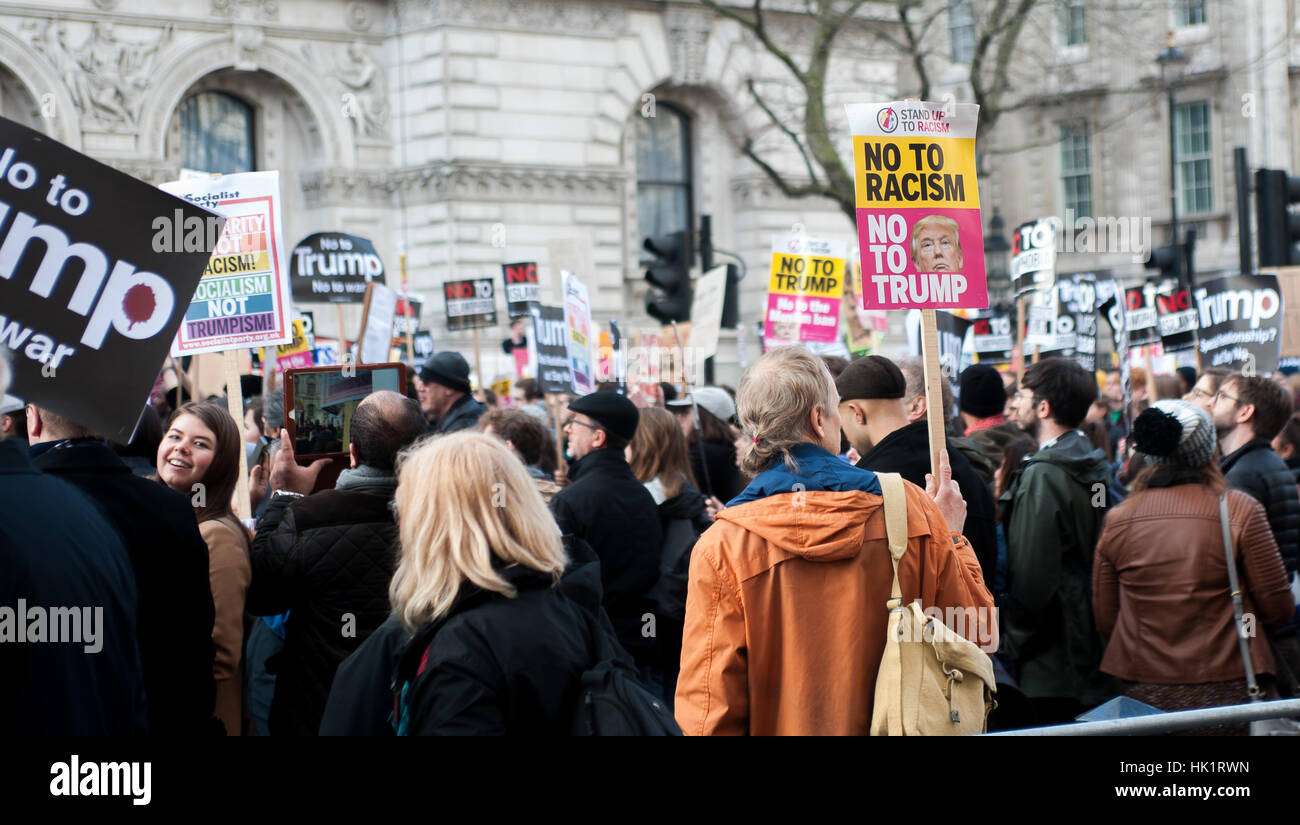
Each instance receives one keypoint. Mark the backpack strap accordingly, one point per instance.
(895, 496)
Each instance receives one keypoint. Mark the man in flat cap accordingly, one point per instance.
(611, 510)
(874, 419)
(444, 393)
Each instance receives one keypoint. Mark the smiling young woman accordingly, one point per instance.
(199, 457)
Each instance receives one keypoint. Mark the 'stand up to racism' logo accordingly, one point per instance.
(887, 119)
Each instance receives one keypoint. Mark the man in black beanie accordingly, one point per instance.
(982, 402)
(875, 421)
(444, 393)
(611, 510)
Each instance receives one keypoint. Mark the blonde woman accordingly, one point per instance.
(495, 647)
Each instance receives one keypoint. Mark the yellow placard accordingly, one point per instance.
(915, 171)
(807, 275)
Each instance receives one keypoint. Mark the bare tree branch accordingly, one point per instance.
(794, 138)
(759, 30)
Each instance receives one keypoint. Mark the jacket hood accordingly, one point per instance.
(818, 513)
(1074, 454)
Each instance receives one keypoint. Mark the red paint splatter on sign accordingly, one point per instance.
(139, 303)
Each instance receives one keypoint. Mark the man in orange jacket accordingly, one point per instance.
(785, 611)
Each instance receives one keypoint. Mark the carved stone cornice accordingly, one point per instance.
(149, 171)
(688, 38)
(454, 181)
(570, 16)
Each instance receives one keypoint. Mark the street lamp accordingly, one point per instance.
(997, 256)
(1172, 62)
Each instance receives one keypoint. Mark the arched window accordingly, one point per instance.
(216, 133)
(663, 171)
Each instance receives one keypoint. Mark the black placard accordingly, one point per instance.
(551, 334)
(333, 267)
(522, 288)
(1240, 320)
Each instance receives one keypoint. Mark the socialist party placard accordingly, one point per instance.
(470, 303)
(918, 205)
(522, 288)
(333, 267)
(1240, 319)
(803, 297)
(243, 299)
(96, 270)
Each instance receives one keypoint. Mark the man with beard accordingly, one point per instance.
(1052, 512)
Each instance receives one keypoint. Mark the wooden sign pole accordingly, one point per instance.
(343, 338)
(934, 411)
(1019, 354)
(235, 403)
(553, 404)
(478, 360)
(410, 310)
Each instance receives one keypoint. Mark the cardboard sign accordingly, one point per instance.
(96, 271)
(243, 299)
(577, 320)
(297, 353)
(333, 267)
(1079, 295)
(991, 338)
(953, 335)
(1049, 322)
(523, 291)
(1140, 315)
(1033, 256)
(423, 345)
(550, 342)
(918, 205)
(377, 324)
(1175, 317)
(804, 293)
(470, 303)
(1240, 321)
(706, 311)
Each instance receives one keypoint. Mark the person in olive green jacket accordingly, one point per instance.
(1052, 512)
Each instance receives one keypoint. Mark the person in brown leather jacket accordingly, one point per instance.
(1160, 580)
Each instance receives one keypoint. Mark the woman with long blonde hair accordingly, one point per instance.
(496, 646)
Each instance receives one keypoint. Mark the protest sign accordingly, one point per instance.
(804, 293)
(1240, 321)
(1140, 315)
(297, 353)
(326, 353)
(470, 304)
(422, 345)
(1033, 256)
(89, 311)
(918, 205)
(333, 267)
(377, 324)
(243, 298)
(954, 337)
(406, 316)
(1288, 284)
(1078, 296)
(550, 342)
(706, 311)
(1050, 322)
(577, 321)
(991, 339)
(1175, 316)
(522, 288)
(309, 326)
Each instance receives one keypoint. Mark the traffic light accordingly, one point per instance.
(1279, 227)
(1167, 260)
(670, 274)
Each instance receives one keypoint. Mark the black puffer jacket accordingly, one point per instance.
(328, 559)
(607, 507)
(1255, 469)
(496, 666)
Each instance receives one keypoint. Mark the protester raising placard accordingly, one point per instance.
(243, 299)
(88, 311)
(333, 267)
(1240, 323)
(918, 205)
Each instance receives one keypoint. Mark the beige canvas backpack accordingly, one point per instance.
(932, 681)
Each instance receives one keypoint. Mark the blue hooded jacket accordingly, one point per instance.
(818, 470)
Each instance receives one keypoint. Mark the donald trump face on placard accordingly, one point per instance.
(936, 246)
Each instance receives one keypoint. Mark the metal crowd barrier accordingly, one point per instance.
(1171, 721)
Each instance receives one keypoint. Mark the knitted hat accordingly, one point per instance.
(1175, 432)
(448, 369)
(982, 392)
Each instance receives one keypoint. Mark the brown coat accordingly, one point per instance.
(229, 572)
(786, 615)
(1160, 586)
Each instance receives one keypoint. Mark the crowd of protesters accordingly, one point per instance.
(468, 558)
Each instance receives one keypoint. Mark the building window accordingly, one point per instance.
(961, 29)
(1192, 137)
(663, 172)
(1073, 29)
(216, 133)
(1189, 12)
(1076, 167)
